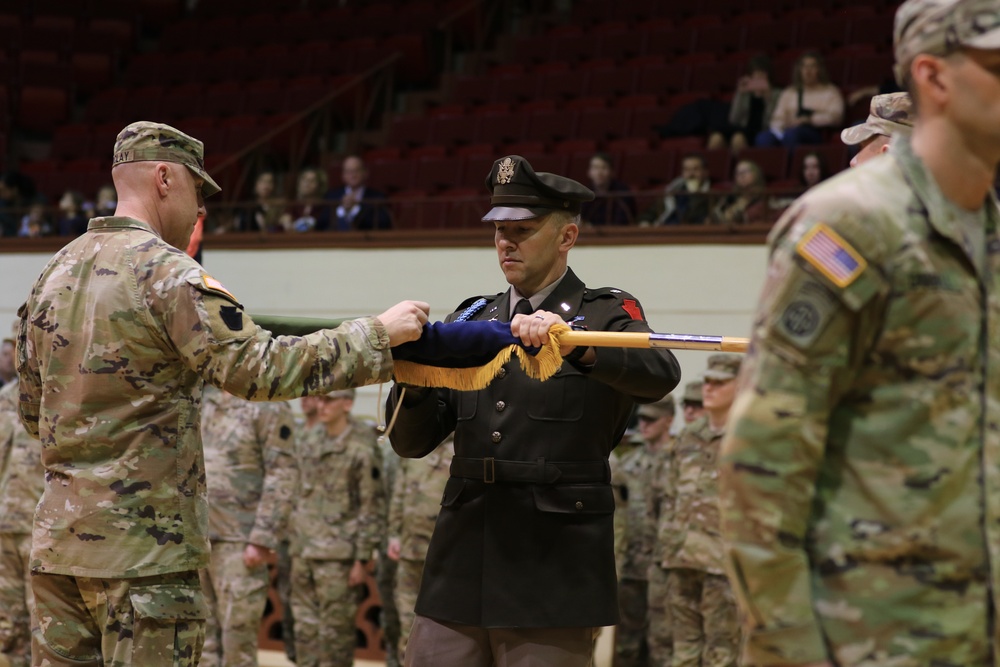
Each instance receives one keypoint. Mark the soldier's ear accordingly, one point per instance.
(162, 178)
(568, 235)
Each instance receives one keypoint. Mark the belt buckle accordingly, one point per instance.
(489, 471)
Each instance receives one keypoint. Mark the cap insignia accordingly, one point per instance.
(506, 172)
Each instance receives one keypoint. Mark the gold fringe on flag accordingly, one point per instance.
(539, 366)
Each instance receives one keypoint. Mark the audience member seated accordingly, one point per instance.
(16, 190)
(35, 222)
(264, 215)
(72, 220)
(357, 205)
(747, 202)
(805, 108)
(752, 106)
(106, 202)
(614, 204)
(309, 211)
(685, 199)
(813, 171)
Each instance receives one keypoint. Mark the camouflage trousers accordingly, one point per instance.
(15, 599)
(385, 580)
(236, 597)
(143, 622)
(324, 607)
(631, 649)
(407, 586)
(660, 633)
(705, 623)
(284, 586)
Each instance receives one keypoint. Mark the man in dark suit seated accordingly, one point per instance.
(358, 206)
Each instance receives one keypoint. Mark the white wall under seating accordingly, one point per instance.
(699, 289)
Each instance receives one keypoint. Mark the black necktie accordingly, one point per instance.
(523, 307)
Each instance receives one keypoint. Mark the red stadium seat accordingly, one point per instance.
(501, 128)
(561, 85)
(412, 130)
(72, 141)
(91, 71)
(42, 108)
(612, 82)
(551, 125)
(663, 80)
(452, 130)
(223, 99)
(437, 173)
(719, 39)
(604, 124)
(644, 169)
(772, 161)
(390, 175)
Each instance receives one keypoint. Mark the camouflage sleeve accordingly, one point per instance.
(807, 335)
(371, 497)
(219, 341)
(618, 486)
(30, 382)
(275, 433)
(395, 525)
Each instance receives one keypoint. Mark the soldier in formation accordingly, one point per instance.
(335, 530)
(860, 484)
(638, 466)
(416, 501)
(251, 477)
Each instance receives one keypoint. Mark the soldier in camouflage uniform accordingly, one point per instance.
(413, 510)
(386, 567)
(688, 568)
(335, 528)
(691, 402)
(21, 481)
(251, 475)
(890, 114)
(655, 420)
(860, 479)
(115, 342)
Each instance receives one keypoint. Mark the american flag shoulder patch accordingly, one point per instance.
(832, 256)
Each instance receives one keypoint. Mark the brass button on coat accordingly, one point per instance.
(579, 505)
(501, 406)
(496, 436)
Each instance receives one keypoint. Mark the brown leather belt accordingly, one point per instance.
(492, 470)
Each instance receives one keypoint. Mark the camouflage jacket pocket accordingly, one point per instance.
(168, 602)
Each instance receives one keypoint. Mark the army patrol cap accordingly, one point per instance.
(519, 193)
(723, 366)
(692, 393)
(888, 116)
(146, 141)
(341, 393)
(939, 27)
(662, 408)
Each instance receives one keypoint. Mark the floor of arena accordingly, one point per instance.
(603, 656)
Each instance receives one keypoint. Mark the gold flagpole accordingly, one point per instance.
(301, 326)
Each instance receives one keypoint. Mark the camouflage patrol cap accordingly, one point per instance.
(662, 408)
(519, 193)
(889, 115)
(723, 366)
(145, 141)
(692, 393)
(939, 27)
(341, 393)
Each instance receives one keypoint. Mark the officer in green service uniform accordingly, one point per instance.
(116, 340)
(521, 566)
(860, 481)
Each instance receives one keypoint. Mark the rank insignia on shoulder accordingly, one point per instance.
(831, 255)
(213, 285)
